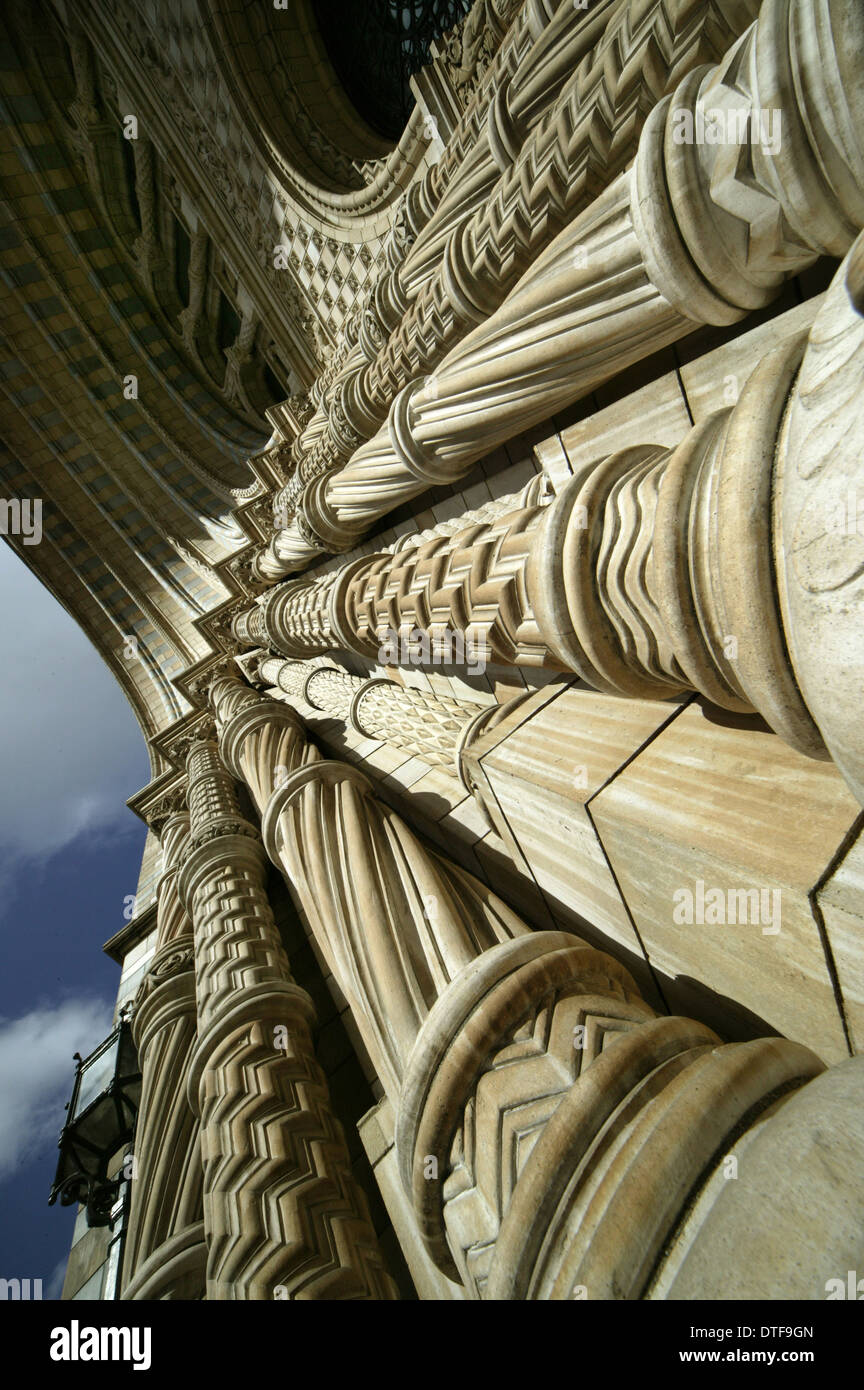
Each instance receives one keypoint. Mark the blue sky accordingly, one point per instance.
(71, 752)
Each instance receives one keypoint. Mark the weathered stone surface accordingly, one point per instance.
(806, 1156)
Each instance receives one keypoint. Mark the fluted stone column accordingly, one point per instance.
(552, 1132)
(395, 922)
(283, 1214)
(165, 1252)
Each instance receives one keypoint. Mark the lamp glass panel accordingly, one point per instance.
(96, 1075)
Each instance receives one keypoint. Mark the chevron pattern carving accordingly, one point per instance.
(533, 1087)
(516, 1095)
(694, 232)
(283, 1214)
(561, 129)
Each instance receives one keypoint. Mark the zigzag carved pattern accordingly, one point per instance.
(281, 1207)
(516, 1095)
(238, 947)
(284, 1212)
(576, 150)
(289, 676)
(332, 690)
(517, 42)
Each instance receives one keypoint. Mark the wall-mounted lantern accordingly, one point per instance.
(100, 1119)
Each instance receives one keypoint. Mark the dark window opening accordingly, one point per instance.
(182, 257)
(131, 179)
(274, 387)
(377, 45)
(228, 324)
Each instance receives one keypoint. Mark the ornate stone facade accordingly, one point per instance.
(475, 523)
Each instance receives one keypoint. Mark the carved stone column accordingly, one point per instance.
(447, 192)
(818, 526)
(564, 118)
(722, 565)
(697, 231)
(425, 725)
(283, 1214)
(165, 1253)
(395, 922)
(552, 1132)
(473, 559)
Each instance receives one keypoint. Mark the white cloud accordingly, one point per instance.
(71, 750)
(37, 1069)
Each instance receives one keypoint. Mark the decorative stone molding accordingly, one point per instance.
(466, 52)
(656, 571)
(161, 811)
(552, 1133)
(693, 233)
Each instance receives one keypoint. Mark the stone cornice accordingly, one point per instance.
(121, 943)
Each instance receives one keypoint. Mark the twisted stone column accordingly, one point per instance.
(552, 1133)
(425, 725)
(694, 232)
(395, 922)
(165, 1253)
(563, 121)
(283, 1214)
(450, 188)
